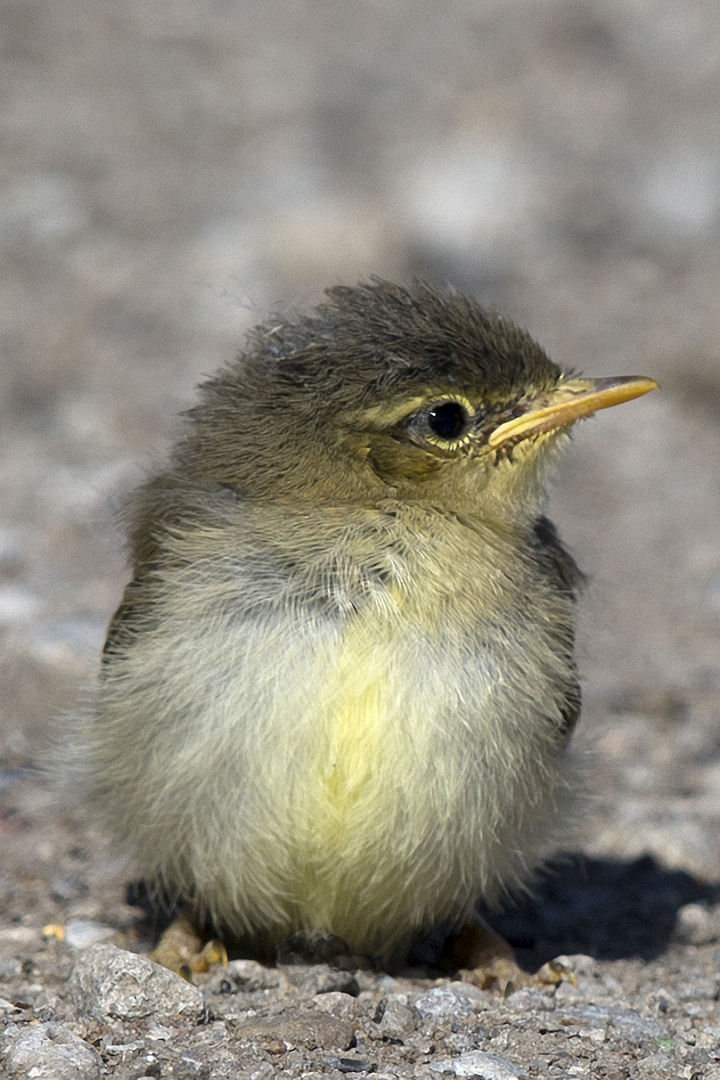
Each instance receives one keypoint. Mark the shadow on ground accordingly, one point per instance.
(606, 908)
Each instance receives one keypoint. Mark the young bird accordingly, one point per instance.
(337, 696)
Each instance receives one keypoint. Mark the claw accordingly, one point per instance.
(489, 961)
(555, 972)
(507, 977)
(181, 950)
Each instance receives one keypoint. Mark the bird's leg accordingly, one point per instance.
(485, 958)
(184, 950)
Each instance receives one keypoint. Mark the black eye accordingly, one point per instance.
(447, 420)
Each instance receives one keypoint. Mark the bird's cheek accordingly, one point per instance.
(394, 461)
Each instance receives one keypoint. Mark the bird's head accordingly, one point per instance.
(416, 395)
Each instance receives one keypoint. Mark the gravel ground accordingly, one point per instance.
(170, 171)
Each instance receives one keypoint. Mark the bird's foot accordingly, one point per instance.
(183, 950)
(507, 976)
(318, 947)
(486, 959)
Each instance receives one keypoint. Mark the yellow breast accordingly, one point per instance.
(367, 812)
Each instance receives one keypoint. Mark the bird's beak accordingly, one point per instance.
(568, 401)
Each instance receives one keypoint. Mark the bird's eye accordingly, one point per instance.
(448, 420)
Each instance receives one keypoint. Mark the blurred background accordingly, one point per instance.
(171, 170)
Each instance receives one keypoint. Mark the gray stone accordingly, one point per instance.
(657, 1067)
(479, 1063)
(294, 1027)
(444, 1003)
(597, 1017)
(699, 988)
(343, 1006)
(51, 1052)
(697, 924)
(10, 968)
(245, 975)
(108, 982)
(191, 1067)
(160, 1033)
(311, 979)
(80, 933)
(398, 1017)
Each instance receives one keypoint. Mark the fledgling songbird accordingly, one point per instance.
(337, 696)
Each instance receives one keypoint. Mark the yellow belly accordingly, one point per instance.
(369, 828)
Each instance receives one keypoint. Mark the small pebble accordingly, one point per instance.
(696, 924)
(312, 979)
(343, 1006)
(80, 933)
(479, 1063)
(444, 1003)
(398, 1017)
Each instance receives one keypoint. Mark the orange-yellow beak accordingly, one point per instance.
(567, 402)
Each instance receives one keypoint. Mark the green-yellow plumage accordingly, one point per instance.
(338, 694)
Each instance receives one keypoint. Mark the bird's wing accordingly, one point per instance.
(124, 623)
(564, 574)
(555, 560)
